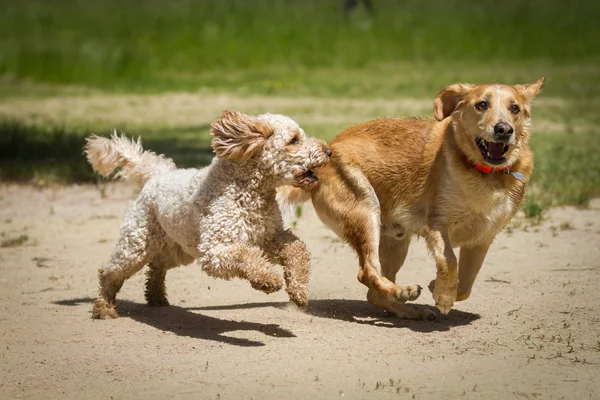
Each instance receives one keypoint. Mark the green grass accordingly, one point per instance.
(283, 45)
(41, 154)
(298, 47)
(567, 169)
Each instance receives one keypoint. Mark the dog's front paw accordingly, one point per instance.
(104, 309)
(444, 295)
(298, 295)
(268, 286)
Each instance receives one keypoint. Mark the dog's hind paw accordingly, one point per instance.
(407, 293)
(104, 310)
(431, 286)
(158, 302)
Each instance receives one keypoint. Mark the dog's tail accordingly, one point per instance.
(288, 197)
(107, 154)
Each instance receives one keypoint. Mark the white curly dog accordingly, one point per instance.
(225, 215)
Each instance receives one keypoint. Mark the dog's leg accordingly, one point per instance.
(134, 249)
(129, 257)
(293, 255)
(469, 264)
(444, 290)
(171, 256)
(358, 222)
(156, 293)
(383, 293)
(256, 269)
(245, 262)
(392, 254)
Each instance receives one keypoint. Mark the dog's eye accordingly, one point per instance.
(515, 109)
(294, 140)
(481, 106)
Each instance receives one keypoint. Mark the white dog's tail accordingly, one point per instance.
(137, 165)
(288, 197)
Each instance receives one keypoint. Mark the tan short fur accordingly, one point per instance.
(391, 178)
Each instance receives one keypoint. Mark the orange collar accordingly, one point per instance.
(486, 169)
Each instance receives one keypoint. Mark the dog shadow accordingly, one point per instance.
(361, 312)
(184, 322)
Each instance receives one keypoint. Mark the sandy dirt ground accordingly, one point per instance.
(530, 330)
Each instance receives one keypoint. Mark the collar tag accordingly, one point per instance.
(518, 175)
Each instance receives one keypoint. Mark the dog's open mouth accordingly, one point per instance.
(492, 152)
(307, 177)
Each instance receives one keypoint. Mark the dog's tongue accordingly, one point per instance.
(495, 150)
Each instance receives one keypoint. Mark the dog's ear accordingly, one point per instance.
(447, 100)
(530, 90)
(237, 135)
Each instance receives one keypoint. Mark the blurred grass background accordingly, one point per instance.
(286, 56)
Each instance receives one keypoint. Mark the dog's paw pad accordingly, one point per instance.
(431, 286)
(415, 292)
(407, 293)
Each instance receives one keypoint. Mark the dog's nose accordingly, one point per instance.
(502, 129)
(328, 151)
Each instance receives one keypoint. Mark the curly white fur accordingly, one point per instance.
(137, 165)
(225, 215)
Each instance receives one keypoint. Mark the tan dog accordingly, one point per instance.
(456, 181)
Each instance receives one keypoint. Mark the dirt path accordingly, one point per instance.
(530, 330)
